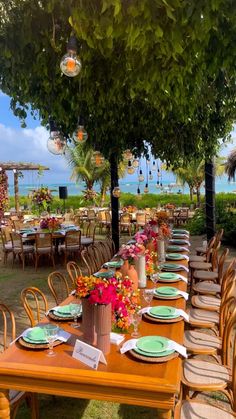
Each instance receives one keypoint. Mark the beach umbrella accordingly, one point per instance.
(230, 165)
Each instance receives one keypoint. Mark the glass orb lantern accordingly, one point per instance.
(141, 177)
(158, 173)
(97, 159)
(56, 143)
(135, 163)
(146, 190)
(127, 155)
(130, 168)
(80, 135)
(116, 192)
(150, 175)
(153, 166)
(158, 184)
(139, 196)
(70, 64)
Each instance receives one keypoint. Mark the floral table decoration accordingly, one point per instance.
(50, 224)
(131, 253)
(42, 198)
(106, 304)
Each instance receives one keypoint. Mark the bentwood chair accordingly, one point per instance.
(89, 261)
(72, 245)
(34, 303)
(199, 375)
(19, 249)
(74, 272)
(207, 255)
(58, 286)
(6, 245)
(44, 247)
(8, 328)
(125, 223)
(218, 236)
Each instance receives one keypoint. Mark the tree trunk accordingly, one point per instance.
(191, 192)
(103, 196)
(210, 198)
(114, 202)
(16, 190)
(198, 196)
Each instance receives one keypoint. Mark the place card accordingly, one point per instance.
(88, 355)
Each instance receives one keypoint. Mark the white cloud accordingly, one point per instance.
(30, 146)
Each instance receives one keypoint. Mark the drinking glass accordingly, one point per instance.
(148, 296)
(51, 331)
(75, 311)
(136, 319)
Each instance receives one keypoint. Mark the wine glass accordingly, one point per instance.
(51, 331)
(75, 311)
(148, 296)
(136, 319)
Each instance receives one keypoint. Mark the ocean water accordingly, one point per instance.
(222, 185)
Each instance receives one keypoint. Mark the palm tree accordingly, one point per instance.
(194, 175)
(230, 165)
(80, 158)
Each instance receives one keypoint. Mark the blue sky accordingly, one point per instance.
(30, 145)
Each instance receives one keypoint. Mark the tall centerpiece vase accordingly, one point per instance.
(140, 264)
(161, 250)
(150, 246)
(125, 268)
(103, 326)
(88, 322)
(133, 276)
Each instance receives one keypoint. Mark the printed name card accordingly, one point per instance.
(88, 355)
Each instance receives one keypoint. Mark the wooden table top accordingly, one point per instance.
(124, 379)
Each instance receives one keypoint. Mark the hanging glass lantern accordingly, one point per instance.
(97, 159)
(130, 168)
(116, 192)
(56, 143)
(146, 190)
(127, 155)
(158, 173)
(135, 163)
(148, 159)
(139, 196)
(153, 166)
(141, 177)
(80, 135)
(158, 184)
(150, 175)
(70, 64)
(161, 185)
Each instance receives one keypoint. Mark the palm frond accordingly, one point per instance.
(230, 166)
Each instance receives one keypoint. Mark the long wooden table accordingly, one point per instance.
(123, 380)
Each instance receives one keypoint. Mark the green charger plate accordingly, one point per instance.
(179, 241)
(163, 312)
(166, 291)
(66, 309)
(171, 267)
(106, 274)
(36, 335)
(168, 276)
(175, 248)
(114, 264)
(154, 355)
(152, 344)
(174, 256)
(180, 232)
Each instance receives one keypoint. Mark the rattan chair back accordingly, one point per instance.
(34, 303)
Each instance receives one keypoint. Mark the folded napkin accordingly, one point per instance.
(183, 278)
(73, 292)
(184, 267)
(184, 294)
(62, 335)
(131, 344)
(185, 257)
(52, 309)
(116, 338)
(178, 311)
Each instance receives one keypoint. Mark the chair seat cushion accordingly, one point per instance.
(86, 241)
(207, 288)
(200, 249)
(199, 410)
(201, 318)
(198, 342)
(44, 250)
(202, 373)
(71, 248)
(8, 246)
(27, 248)
(205, 275)
(200, 265)
(206, 302)
(194, 258)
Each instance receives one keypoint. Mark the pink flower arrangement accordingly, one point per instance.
(114, 290)
(140, 237)
(153, 223)
(148, 231)
(130, 252)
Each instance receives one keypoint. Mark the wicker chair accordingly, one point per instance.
(58, 286)
(20, 249)
(72, 245)
(73, 271)
(6, 245)
(44, 247)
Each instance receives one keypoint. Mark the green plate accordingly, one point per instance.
(174, 256)
(166, 291)
(175, 248)
(61, 315)
(178, 241)
(163, 312)
(152, 344)
(180, 232)
(171, 267)
(36, 334)
(34, 342)
(168, 276)
(106, 274)
(154, 355)
(114, 264)
(66, 309)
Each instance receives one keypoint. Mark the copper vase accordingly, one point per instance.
(88, 326)
(103, 326)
